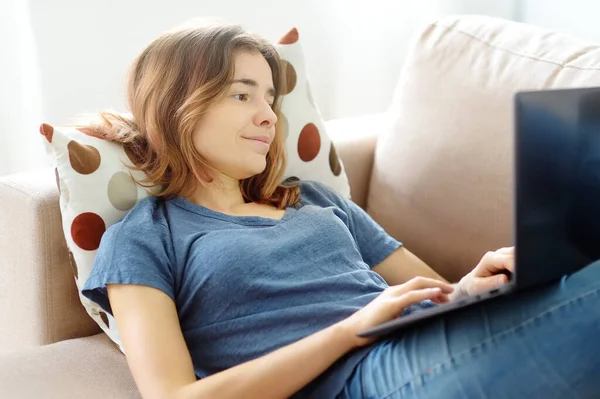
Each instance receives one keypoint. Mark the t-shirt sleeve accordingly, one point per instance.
(373, 242)
(131, 252)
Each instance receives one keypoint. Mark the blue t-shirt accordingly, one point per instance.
(245, 286)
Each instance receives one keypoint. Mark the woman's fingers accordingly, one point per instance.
(507, 251)
(419, 283)
(493, 262)
(440, 299)
(416, 296)
(489, 283)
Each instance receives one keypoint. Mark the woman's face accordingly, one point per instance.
(235, 134)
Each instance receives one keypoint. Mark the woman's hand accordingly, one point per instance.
(489, 273)
(390, 303)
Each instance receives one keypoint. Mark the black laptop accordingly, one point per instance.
(557, 195)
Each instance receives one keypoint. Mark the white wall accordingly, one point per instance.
(575, 17)
(85, 48)
(354, 48)
(20, 98)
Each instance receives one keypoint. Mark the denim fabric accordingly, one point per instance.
(543, 343)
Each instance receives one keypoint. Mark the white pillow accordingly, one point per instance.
(311, 153)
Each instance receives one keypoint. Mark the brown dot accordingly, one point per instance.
(84, 159)
(122, 191)
(57, 179)
(87, 230)
(289, 77)
(290, 38)
(104, 318)
(282, 126)
(47, 131)
(334, 161)
(73, 265)
(309, 142)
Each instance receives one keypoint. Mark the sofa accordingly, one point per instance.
(435, 170)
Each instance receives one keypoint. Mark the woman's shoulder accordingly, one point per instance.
(146, 217)
(317, 193)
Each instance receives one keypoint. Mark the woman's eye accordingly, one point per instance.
(241, 97)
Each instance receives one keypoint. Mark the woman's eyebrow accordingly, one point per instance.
(252, 83)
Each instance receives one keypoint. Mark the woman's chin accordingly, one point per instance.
(255, 169)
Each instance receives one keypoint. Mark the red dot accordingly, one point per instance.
(47, 131)
(309, 142)
(87, 230)
(290, 38)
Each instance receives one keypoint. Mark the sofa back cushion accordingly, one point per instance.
(442, 178)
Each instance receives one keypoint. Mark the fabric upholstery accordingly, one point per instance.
(38, 298)
(90, 367)
(442, 176)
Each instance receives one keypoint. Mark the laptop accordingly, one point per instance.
(556, 221)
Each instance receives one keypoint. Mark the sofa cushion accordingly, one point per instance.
(442, 174)
(38, 301)
(90, 368)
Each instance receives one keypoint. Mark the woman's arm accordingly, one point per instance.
(491, 272)
(161, 364)
(162, 367)
(280, 373)
(402, 265)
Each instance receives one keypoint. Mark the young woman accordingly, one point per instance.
(229, 283)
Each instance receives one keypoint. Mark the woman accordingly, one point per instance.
(230, 284)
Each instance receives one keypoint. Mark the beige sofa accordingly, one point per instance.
(435, 171)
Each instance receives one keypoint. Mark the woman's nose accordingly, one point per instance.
(266, 116)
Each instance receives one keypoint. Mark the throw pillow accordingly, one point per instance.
(96, 190)
(311, 153)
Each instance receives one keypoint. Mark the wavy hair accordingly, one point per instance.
(171, 85)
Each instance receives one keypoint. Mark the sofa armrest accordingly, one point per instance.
(354, 139)
(39, 302)
(90, 367)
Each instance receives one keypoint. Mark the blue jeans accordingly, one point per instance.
(542, 343)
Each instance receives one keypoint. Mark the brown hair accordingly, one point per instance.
(171, 85)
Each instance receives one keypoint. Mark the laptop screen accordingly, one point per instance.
(557, 182)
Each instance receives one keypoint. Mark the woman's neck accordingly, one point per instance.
(221, 195)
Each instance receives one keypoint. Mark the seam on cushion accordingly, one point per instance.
(531, 320)
(530, 56)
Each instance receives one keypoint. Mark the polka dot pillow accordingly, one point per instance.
(96, 190)
(96, 186)
(311, 153)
